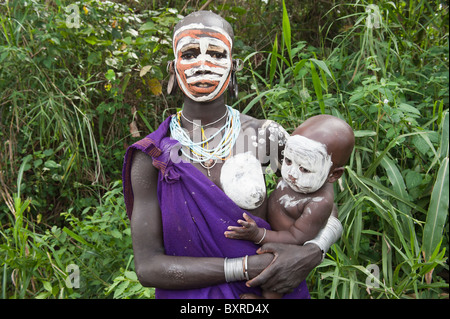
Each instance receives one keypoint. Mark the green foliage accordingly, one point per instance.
(74, 94)
(71, 88)
(35, 259)
(393, 199)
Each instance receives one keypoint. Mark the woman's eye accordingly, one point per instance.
(187, 56)
(218, 55)
(287, 161)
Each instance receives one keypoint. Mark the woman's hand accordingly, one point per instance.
(291, 264)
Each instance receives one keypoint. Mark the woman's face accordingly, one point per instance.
(202, 61)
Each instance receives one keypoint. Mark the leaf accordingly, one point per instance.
(413, 179)
(356, 97)
(95, 58)
(20, 174)
(144, 70)
(443, 149)
(323, 66)
(437, 211)
(395, 177)
(287, 31)
(144, 119)
(91, 39)
(300, 64)
(51, 164)
(110, 75)
(47, 286)
(364, 133)
(317, 87)
(121, 288)
(148, 26)
(76, 237)
(408, 108)
(131, 275)
(132, 32)
(273, 59)
(155, 86)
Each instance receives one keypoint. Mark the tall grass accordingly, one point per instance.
(393, 199)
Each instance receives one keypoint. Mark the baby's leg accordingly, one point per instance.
(265, 295)
(271, 295)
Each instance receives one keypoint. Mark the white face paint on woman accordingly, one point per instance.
(202, 61)
(306, 164)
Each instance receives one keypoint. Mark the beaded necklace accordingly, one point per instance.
(199, 152)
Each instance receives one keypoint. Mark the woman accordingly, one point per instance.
(185, 183)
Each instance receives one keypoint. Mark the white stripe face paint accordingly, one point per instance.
(202, 61)
(306, 164)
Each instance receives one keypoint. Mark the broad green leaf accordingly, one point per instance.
(287, 31)
(148, 26)
(408, 108)
(317, 87)
(395, 177)
(300, 64)
(144, 70)
(91, 39)
(110, 75)
(364, 133)
(443, 149)
(437, 211)
(323, 66)
(76, 237)
(273, 59)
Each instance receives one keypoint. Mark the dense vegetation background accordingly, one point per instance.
(81, 81)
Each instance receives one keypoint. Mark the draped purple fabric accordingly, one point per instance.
(195, 215)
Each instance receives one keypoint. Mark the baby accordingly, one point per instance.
(301, 204)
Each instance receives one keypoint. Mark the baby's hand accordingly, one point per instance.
(249, 230)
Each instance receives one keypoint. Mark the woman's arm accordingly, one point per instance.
(153, 267)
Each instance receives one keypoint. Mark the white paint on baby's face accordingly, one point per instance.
(202, 61)
(242, 180)
(306, 164)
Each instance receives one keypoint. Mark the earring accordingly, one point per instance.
(172, 84)
(233, 89)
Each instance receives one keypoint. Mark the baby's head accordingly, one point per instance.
(316, 152)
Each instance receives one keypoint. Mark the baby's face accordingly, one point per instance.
(306, 164)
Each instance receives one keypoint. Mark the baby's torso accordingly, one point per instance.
(285, 205)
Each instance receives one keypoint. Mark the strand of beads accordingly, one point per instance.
(196, 150)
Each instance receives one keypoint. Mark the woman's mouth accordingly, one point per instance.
(203, 85)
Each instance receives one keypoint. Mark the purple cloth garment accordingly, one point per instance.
(195, 215)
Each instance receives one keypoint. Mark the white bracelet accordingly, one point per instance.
(264, 236)
(328, 235)
(235, 269)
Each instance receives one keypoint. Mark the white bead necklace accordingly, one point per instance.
(197, 152)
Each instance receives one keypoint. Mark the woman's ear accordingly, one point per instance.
(335, 174)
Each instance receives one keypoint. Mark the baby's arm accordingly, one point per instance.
(306, 227)
(313, 218)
